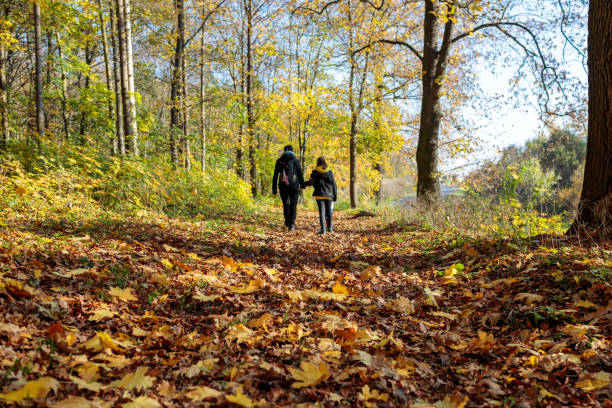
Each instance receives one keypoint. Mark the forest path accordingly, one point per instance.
(235, 310)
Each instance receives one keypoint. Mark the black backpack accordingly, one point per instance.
(287, 173)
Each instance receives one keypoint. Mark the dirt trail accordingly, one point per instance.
(371, 315)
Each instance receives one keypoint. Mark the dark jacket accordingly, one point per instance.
(296, 180)
(324, 183)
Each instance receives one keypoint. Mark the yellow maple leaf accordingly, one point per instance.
(141, 402)
(137, 380)
(600, 380)
(123, 294)
(76, 402)
(584, 303)
(484, 341)
(84, 385)
(310, 374)
(166, 263)
(240, 333)
(340, 289)
(253, 286)
(205, 298)
(33, 389)
(367, 394)
(101, 341)
(453, 401)
(240, 399)
(263, 321)
(202, 392)
(101, 314)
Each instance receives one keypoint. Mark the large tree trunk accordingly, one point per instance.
(433, 70)
(119, 134)
(595, 208)
(107, 70)
(40, 109)
(127, 21)
(175, 127)
(128, 128)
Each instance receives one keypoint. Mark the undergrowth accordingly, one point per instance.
(71, 182)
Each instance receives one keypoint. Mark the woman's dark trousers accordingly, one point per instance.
(290, 200)
(326, 210)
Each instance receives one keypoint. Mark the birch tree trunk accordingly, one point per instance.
(176, 81)
(128, 129)
(130, 74)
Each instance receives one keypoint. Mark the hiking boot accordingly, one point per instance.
(322, 232)
(330, 230)
(292, 227)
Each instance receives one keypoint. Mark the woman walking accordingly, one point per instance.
(325, 192)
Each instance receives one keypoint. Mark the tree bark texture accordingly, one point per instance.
(40, 109)
(107, 69)
(595, 208)
(127, 20)
(128, 129)
(175, 127)
(119, 132)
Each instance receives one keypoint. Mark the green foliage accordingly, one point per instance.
(73, 181)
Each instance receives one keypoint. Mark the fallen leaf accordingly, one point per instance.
(33, 389)
(137, 380)
(309, 374)
(123, 294)
(142, 402)
(203, 392)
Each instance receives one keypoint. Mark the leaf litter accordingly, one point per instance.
(166, 313)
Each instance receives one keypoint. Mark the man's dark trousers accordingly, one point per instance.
(290, 201)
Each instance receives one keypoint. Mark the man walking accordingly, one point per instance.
(289, 179)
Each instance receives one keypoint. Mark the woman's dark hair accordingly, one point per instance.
(321, 162)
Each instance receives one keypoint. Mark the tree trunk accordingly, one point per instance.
(184, 110)
(48, 75)
(127, 21)
(89, 56)
(202, 92)
(595, 208)
(119, 134)
(64, 108)
(176, 81)
(128, 128)
(107, 70)
(249, 97)
(40, 109)
(433, 70)
(4, 124)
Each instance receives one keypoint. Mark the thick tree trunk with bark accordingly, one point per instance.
(40, 109)
(175, 127)
(595, 208)
(119, 133)
(433, 70)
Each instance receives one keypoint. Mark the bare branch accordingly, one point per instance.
(392, 42)
(331, 3)
(210, 13)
